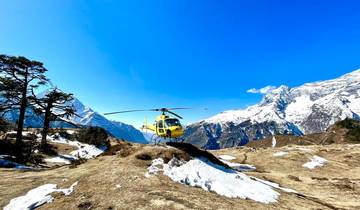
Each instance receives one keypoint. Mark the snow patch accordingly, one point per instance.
(227, 157)
(57, 159)
(84, 150)
(223, 181)
(68, 191)
(280, 154)
(153, 169)
(316, 161)
(37, 197)
(239, 167)
(273, 142)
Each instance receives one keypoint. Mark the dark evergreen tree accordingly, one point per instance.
(53, 106)
(19, 76)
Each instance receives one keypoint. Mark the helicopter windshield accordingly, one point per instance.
(172, 122)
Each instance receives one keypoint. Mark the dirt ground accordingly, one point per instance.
(116, 180)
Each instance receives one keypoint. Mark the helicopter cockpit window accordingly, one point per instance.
(160, 125)
(172, 122)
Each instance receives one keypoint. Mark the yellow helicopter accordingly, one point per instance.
(165, 126)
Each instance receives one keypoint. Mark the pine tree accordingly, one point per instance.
(19, 76)
(53, 106)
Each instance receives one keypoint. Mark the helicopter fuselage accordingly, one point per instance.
(166, 127)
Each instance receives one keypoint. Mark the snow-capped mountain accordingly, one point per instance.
(309, 108)
(85, 116)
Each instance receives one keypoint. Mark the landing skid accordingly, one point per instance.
(155, 139)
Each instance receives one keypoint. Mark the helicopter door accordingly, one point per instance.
(160, 127)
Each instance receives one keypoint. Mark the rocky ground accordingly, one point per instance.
(116, 180)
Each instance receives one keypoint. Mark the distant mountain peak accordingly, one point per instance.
(305, 109)
(85, 116)
(117, 129)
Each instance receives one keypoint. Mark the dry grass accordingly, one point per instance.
(336, 185)
(166, 153)
(121, 148)
(326, 183)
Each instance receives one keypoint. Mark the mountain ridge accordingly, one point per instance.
(305, 109)
(87, 117)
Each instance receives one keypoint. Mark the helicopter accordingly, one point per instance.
(165, 127)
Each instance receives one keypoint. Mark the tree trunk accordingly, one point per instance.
(46, 125)
(20, 126)
(22, 112)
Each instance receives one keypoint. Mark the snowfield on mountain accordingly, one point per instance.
(310, 108)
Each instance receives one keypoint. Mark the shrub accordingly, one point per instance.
(27, 154)
(64, 134)
(122, 149)
(76, 162)
(354, 134)
(93, 135)
(353, 127)
(4, 125)
(346, 123)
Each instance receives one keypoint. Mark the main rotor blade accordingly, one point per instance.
(187, 108)
(154, 110)
(178, 108)
(174, 114)
(135, 110)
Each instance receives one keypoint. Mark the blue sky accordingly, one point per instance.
(116, 55)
